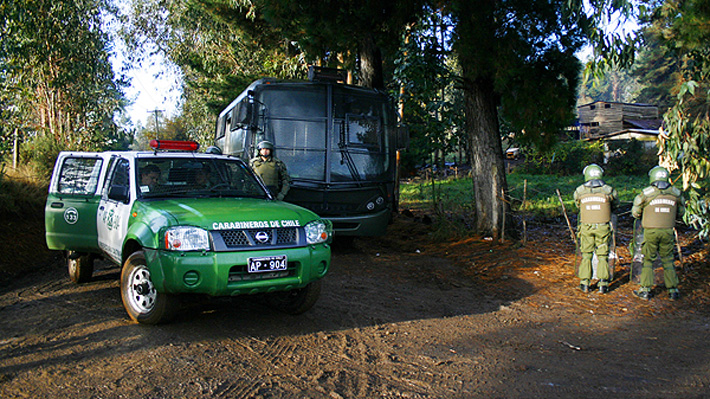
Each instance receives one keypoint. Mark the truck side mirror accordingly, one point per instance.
(119, 193)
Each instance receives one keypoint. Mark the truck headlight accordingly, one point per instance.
(317, 231)
(187, 238)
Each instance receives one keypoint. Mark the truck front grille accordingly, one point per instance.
(258, 237)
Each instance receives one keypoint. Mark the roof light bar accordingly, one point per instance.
(174, 145)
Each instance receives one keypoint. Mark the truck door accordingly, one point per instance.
(114, 209)
(74, 194)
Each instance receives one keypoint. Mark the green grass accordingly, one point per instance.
(456, 195)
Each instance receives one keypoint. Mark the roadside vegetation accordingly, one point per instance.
(22, 193)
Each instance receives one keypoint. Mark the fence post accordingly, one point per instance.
(564, 212)
(525, 222)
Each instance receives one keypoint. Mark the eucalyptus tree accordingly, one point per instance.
(54, 59)
(685, 144)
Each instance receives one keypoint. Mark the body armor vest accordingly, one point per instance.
(268, 171)
(660, 212)
(594, 208)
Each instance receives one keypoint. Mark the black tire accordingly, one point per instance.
(80, 268)
(295, 301)
(143, 303)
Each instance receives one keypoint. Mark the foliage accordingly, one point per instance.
(612, 84)
(425, 78)
(629, 158)
(657, 70)
(220, 47)
(563, 159)
(685, 146)
(57, 82)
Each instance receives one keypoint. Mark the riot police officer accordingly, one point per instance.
(596, 200)
(271, 170)
(657, 206)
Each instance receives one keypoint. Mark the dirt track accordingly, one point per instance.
(397, 318)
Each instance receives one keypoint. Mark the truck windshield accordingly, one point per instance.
(163, 177)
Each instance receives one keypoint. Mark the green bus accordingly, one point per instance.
(338, 141)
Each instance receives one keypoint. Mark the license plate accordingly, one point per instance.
(267, 264)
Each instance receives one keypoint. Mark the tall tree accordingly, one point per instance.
(362, 33)
(426, 76)
(685, 27)
(518, 61)
(55, 65)
(658, 70)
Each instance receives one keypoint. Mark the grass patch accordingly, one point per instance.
(455, 196)
(22, 193)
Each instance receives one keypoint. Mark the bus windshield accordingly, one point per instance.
(353, 146)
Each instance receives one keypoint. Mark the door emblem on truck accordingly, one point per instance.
(71, 215)
(262, 237)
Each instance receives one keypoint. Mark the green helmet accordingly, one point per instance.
(213, 150)
(265, 144)
(659, 173)
(592, 172)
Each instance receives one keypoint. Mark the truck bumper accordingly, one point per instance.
(225, 273)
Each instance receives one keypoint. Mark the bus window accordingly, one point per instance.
(298, 102)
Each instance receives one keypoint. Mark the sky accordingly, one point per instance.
(153, 86)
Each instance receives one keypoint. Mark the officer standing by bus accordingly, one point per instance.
(271, 170)
(596, 200)
(657, 206)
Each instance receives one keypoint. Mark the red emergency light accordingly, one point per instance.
(174, 145)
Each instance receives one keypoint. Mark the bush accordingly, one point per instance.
(630, 158)
(564, 159)
(41, 152)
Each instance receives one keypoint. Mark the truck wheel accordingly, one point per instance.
(295, 301)
(80, 267)
(142, 301)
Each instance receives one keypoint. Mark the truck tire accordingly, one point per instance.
(143, 303)
(80, 267)
(295, 301)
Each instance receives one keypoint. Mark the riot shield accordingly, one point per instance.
(612, 259)
(637, 257)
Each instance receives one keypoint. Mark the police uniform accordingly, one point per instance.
(595, 200)
(274, 174)
(657, 206)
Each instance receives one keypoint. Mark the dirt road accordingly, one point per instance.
(398, 318)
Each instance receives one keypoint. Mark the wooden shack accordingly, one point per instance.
(601, 118)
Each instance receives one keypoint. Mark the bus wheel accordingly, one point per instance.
(80, 267)
(295, 301)
(142, 301)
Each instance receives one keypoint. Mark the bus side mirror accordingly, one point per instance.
(402, 135)
(243, 113)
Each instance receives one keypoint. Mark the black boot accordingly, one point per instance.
(643, 294)
(584, 287)
(603, 286)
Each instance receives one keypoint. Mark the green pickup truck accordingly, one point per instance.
(182, 222)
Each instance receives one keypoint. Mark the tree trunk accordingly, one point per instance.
(371, 64)
(488, 170)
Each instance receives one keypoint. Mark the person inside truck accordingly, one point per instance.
(150, 176)
(202, 177)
